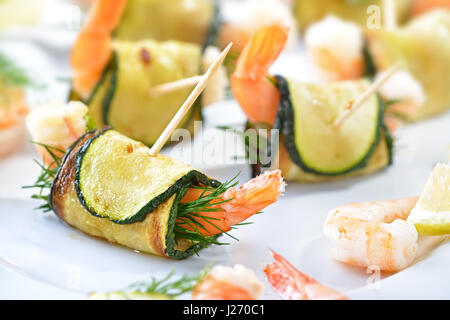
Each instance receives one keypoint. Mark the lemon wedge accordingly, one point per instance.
(431, 215)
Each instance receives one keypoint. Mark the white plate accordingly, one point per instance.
(42, 247)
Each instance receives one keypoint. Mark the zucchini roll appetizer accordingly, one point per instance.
(312, 148)
(421, 47)
(309, 11)
(109, 186)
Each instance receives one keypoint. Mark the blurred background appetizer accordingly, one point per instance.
(292, 284)
(219, 283)
(13, 106)
(391, 235)
(133, 54)
(308, 12)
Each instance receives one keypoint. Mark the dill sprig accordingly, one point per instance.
(11, 74)
(45, 179)
(164, 288)
(189, 214)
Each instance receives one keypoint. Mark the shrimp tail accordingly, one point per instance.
(256, 94)
(291, 284)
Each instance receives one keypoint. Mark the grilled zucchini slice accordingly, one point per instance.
(306, 117)
(121, 98)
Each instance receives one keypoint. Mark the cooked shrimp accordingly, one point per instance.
(406, 92)
(257, 95)
(336, 48)
(12, 113)
(249, 16)
(241, 203)
(57, 126)
(92, 49)
(373, 234)
(229, 283)
(291, 284)
(218, 83)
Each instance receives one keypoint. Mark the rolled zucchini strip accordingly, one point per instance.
(312, 149)
(423, 47)
(310, 11)
(110, 187)
(182, 20)
(121, 98)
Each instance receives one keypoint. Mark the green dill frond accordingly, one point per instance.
(189, 214)
(45, 179)
(11, 74)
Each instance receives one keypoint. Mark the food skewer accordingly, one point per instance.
(189, 102)
(356, 104)
(174, 85)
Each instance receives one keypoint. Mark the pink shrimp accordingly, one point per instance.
(291, 284)
(241, 203)
(255, 93)
(92, 49)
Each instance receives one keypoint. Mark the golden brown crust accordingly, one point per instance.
(65, 178)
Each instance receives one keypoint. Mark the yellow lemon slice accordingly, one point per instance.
(431, 215)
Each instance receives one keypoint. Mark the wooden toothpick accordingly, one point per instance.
(366, 95)
(390, 14)
(189, 102)
(174, 86)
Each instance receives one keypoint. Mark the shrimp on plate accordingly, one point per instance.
(421, 6)
(57, 126)
(291, 284)
(336, 47)
(375, 234)
(229, 283)
(236, 204)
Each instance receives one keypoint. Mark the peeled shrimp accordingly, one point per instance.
(256, 94)
(241, 203)
(249, 16)
(57, 126)
(92, 49)
(229, 283)
(336, 46)
(373, 234)
(291, 284)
